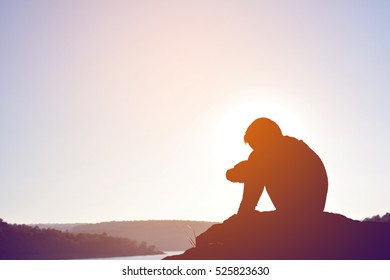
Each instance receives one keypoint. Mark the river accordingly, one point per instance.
(145, 257)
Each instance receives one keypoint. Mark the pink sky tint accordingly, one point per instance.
(132, 110)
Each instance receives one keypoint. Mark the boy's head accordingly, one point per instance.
(262, 134)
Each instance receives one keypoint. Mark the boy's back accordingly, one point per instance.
(293, 174)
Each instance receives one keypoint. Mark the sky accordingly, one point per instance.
(134, 110)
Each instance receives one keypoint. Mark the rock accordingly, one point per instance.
(275, 236)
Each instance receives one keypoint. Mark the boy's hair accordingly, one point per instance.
(262, 128)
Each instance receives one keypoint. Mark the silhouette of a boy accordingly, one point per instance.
(293, 174)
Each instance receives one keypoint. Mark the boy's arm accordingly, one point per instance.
(239, 173)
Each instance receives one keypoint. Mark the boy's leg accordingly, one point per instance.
(250, 197)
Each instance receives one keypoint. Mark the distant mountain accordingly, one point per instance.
(22, 242)
(57, 226)
(272, 235)
(168, 235)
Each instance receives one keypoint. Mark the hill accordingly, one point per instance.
(271, 235)
(165, 235)
(26, 243)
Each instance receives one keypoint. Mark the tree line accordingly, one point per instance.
(28, 242)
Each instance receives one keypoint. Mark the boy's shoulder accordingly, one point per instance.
(289, 140)
(293, 143)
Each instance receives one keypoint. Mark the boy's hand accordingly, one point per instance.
(238, 173)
